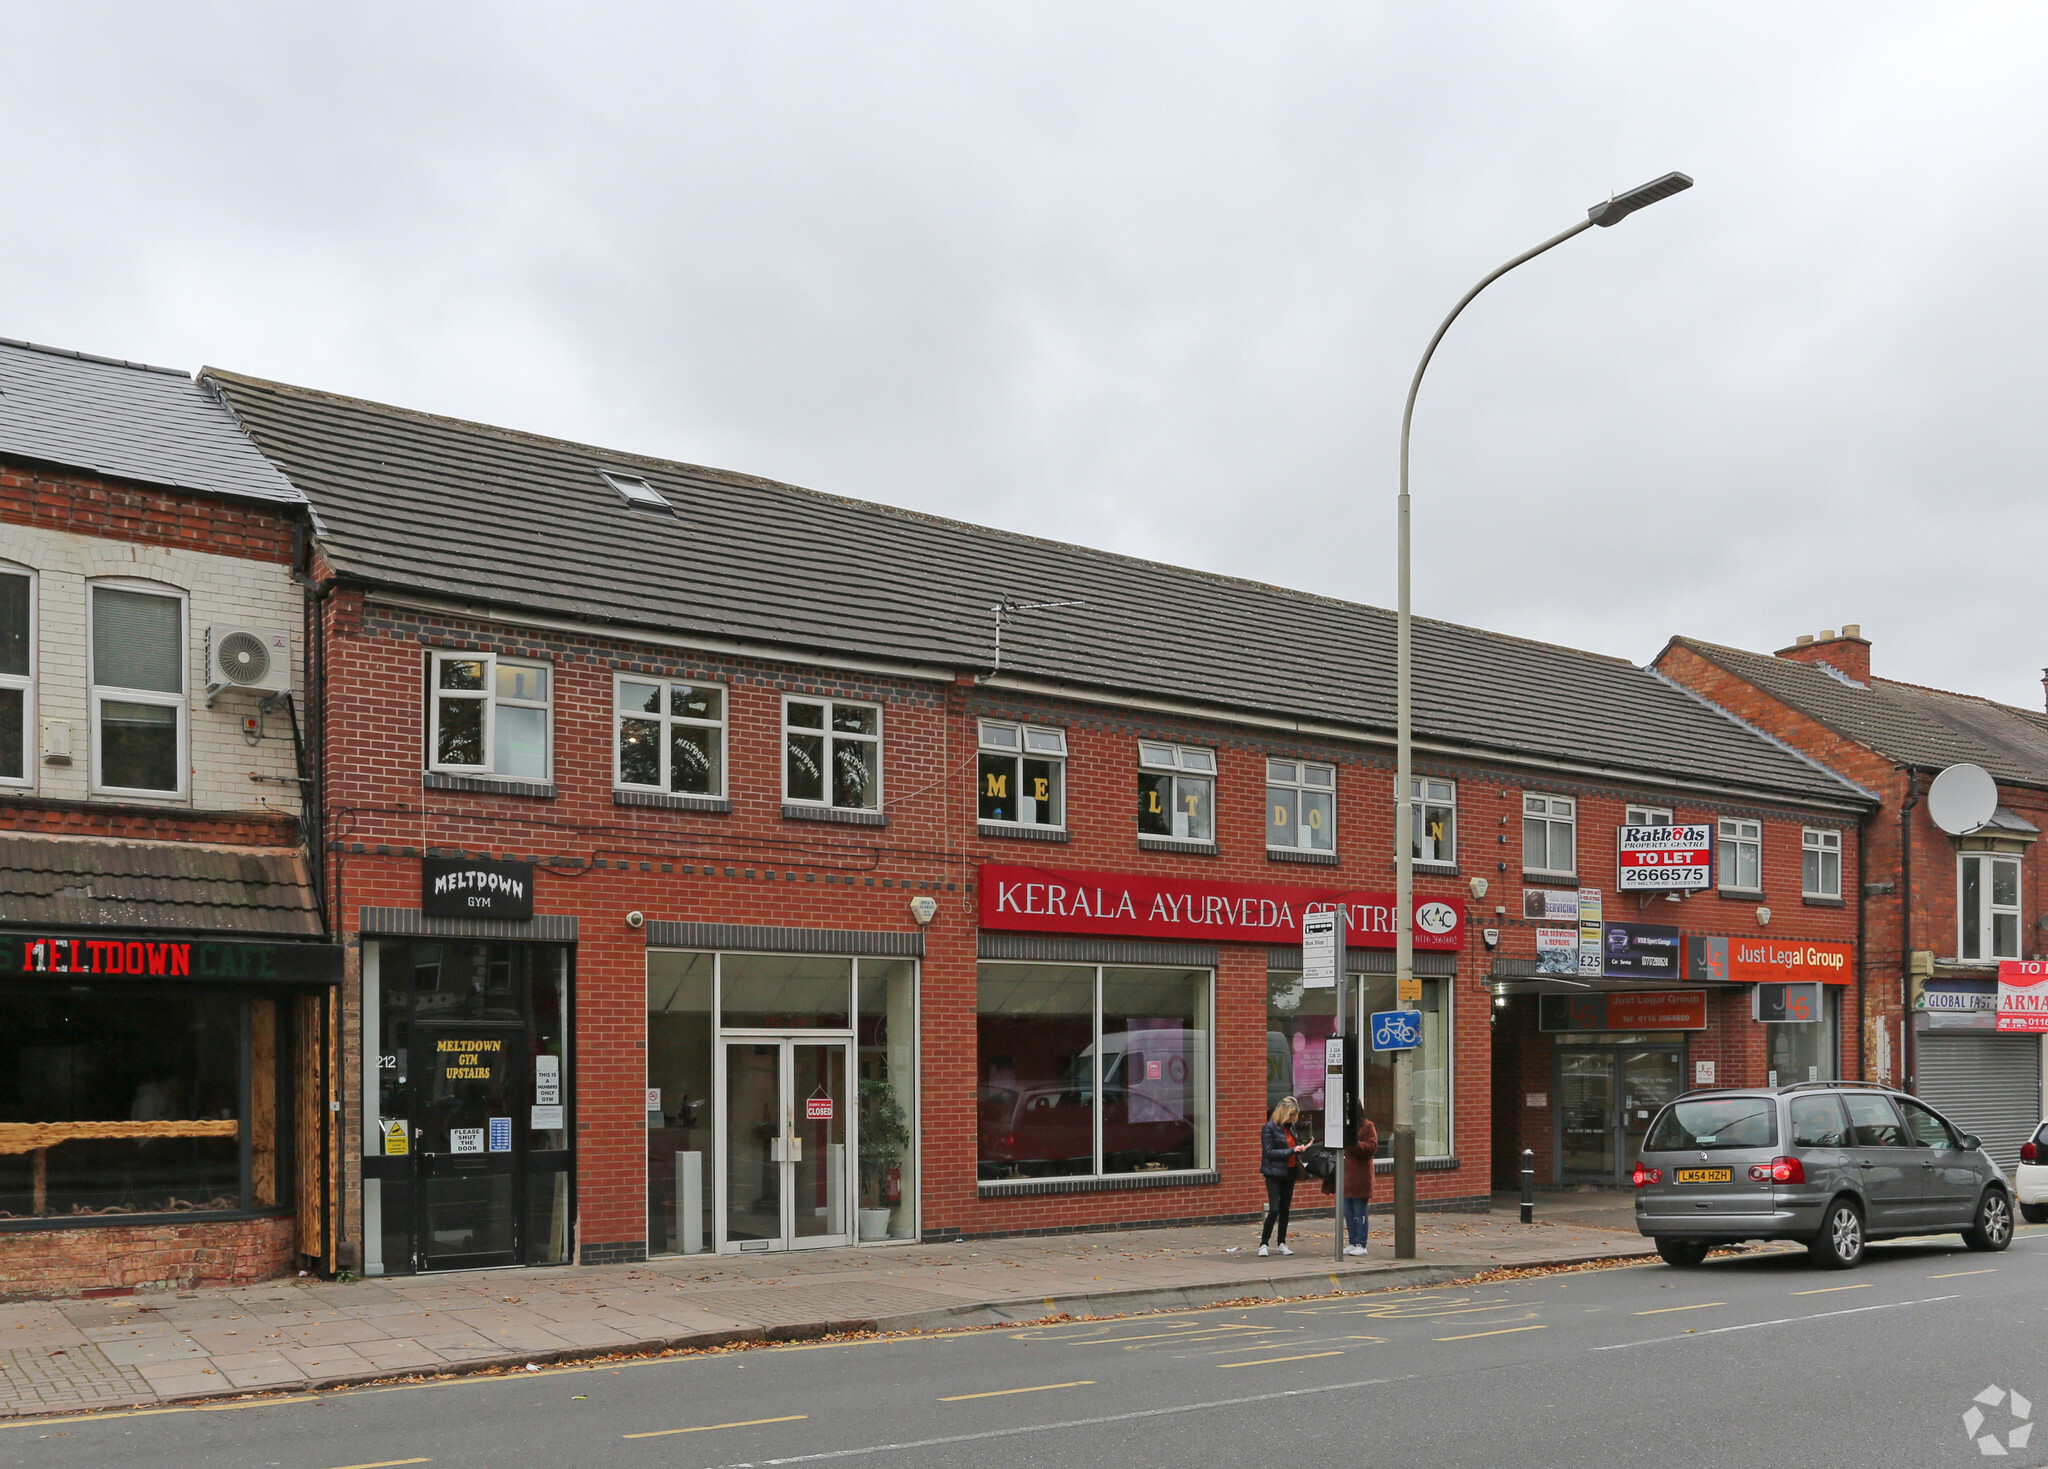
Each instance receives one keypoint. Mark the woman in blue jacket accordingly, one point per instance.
(1277, 1154)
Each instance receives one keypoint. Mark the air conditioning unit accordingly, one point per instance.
(252, 658)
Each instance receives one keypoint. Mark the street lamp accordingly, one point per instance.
(1607, 213)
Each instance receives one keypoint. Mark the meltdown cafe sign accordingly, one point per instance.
(145, 957)
(1133, 905)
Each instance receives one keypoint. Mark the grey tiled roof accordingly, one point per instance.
(484, 514)
(1917, 726)
(126, 420)
(75, 882)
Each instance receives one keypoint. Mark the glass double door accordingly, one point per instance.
(1606, 1100)
(788, 1181)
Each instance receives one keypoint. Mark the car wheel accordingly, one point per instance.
(1839, 1245)
(2034, 1213)
(1683, 1253)
(1993, 1227)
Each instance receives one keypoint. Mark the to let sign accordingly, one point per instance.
(1666, 858)
(457, 887)
(2023, 996)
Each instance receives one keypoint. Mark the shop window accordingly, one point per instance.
(1742, 856)
(1301, 806)
(138, 691)
(1433, 813)
(669, 737)
(490, 716)
(1550, 827)
(1020, 774)
(1177, 792)
(886, 1095)
(1988, 910)
(783, 992)
(17, 675)
(1820, 863)
(682, 1138)
(1806, 1050)
(1299, 1020)
(1429, 1068)
(832, 754)
(120, 1104)
(1092, 1071)
(1647, 816)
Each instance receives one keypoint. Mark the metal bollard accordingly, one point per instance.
(1528, 1185)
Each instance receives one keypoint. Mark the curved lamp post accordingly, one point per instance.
(1606, 214)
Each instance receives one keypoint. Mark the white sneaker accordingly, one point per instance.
(1354, 1249)
(1264, 1251)
(1285, 1251)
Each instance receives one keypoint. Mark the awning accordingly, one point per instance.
(76, 883)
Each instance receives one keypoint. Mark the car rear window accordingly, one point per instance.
(1722, 1122)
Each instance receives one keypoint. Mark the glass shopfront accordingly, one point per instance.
(466, 1094)
(1610, 1087)
(1299, 1020)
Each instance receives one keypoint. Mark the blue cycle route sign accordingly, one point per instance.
(1396, 1030)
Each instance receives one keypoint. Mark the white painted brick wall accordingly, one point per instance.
(220, 590)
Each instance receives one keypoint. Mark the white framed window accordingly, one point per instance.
(668, 737)
(17, 676)
(1301, 806)
(1021, 774)
(1177, 792)
(832, 754)
(138, 689)
(1742, 856)
(1647, 816)
(1988, 907)
(1820, 858)
(1550, 831)
(1433, 816)
(489, 716)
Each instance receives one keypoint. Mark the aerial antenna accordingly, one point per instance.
(1002, 611)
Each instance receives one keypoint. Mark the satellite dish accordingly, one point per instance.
(1962, 799)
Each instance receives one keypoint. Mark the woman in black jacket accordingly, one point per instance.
(1278, 1152)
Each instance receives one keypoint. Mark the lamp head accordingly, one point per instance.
(1610, 212)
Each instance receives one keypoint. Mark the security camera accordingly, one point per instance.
(635, 919)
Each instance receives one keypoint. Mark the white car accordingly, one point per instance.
(2030, 1179)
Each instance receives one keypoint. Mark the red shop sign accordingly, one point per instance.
(1048, 900)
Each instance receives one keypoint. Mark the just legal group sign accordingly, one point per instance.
(1136, 905)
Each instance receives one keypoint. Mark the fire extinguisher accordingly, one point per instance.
(892, 1185)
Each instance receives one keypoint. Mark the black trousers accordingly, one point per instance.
(1279, 1202)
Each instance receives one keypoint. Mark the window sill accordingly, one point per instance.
(487, 785)
(1551, 879)
(1440, 1164)
(1176, 844)
(1815, 902)
(1094, 1183)
(792, 812)
(1023, 833)
(717, 805)
(1741, 895)
(1441, 869)
(1295, 854)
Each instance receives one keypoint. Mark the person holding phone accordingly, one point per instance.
(1279, 1158)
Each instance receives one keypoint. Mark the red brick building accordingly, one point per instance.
(165, 994)
(1941, 907)
(728, 866)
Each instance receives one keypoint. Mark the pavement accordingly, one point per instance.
(66, 1355)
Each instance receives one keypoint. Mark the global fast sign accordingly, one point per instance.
(1666, 858)
(1141, 905)
(2023, 996)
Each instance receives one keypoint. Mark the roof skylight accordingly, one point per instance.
(637, 492)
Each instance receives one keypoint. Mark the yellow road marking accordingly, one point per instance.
(386, 1463)
(1008, 1391)
(1272, 1361)
(713, 1427)
(1504, 1331)
(1954, 1273)
(156, 1412)
(1831, 1289)
(1667, 1310)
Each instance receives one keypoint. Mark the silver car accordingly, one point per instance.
(1832, 1164)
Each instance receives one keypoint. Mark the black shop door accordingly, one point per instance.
(469, 1145)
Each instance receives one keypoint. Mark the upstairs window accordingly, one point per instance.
(1177, 792)
(1433, 816)
(1820, 863)
(670, 737)
(490, 716)
(1550, 827)
(832, 754)
(17, 674)
(1647, 816)
(1988, 910)
(1021, 774)
(138, 691)
(1742, 856)
(1301, 806)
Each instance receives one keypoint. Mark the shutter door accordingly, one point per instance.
(1985, 1083)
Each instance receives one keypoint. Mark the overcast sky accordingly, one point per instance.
(1146, 277)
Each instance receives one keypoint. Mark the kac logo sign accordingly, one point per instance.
(1396, 1030)
(1436, 918)
(1989, 1444)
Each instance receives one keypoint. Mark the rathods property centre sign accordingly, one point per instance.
(1665, 859)
(1139, 905)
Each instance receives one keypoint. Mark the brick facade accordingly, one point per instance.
(146, 1257)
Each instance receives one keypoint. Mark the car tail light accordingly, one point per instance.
(2029, 1153)
(1645, 1176)
(1779, 1170)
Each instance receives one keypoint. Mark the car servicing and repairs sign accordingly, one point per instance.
(2023, 996)
(1768, 961)
(1666, 859)
(459, 887)
(1146, 905)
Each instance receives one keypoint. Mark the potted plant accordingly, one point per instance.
(884, 1134)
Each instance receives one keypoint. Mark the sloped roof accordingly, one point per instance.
(128, 421)
(1928, 728)
(435, 505)
(75, 882)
